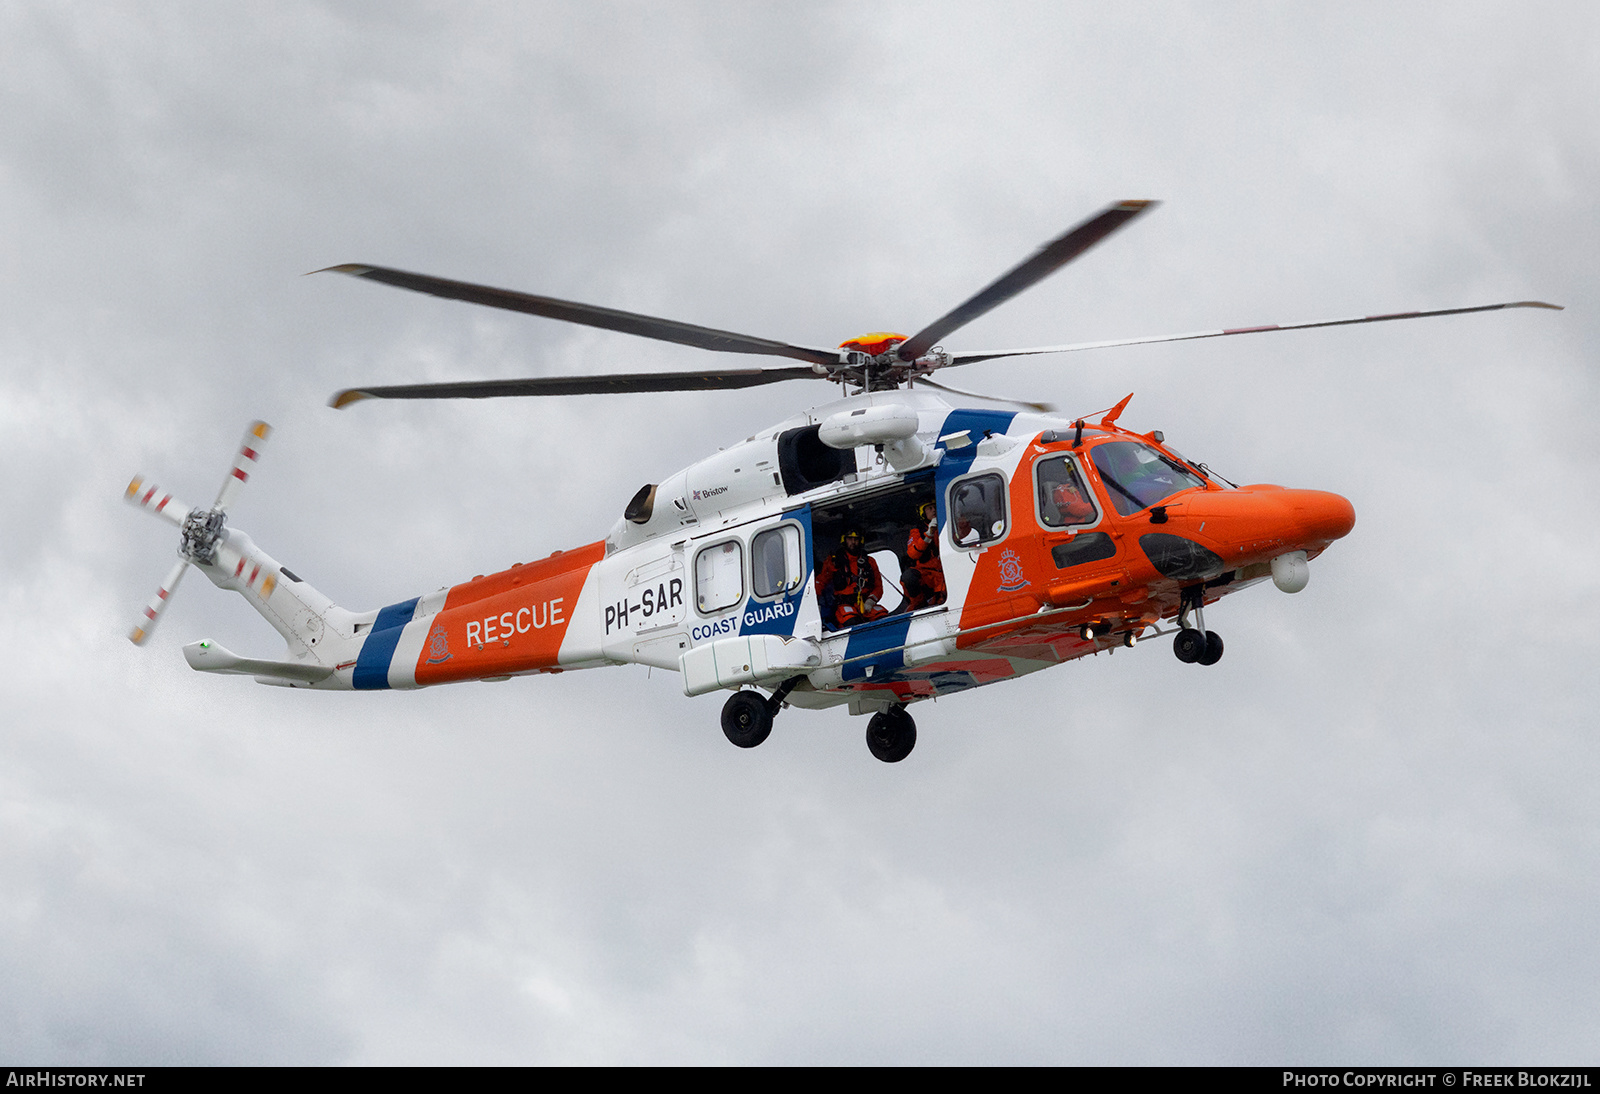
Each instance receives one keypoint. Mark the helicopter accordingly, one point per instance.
(874, 551)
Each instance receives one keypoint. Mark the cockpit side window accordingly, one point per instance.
(1137, 476)
(1064, 500)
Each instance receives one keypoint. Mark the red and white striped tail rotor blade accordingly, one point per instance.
(158, 604)
(153, 499)
(244, 462)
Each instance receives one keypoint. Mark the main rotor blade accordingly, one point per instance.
(616, 383)
(969, 358)
(1046, 261)
(244, 461)
(590, 315)
(1043, 408)
(158, 604)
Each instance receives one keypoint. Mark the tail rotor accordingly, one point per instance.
(201, 530)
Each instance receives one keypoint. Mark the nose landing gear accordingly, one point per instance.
(1195, 645)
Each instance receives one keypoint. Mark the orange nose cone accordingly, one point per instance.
(1321, 515)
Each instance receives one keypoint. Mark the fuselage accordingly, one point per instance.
(1054, 540)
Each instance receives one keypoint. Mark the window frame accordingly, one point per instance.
(1119, 491)
(1090, 494)
(739, 569)
(799, 577)
(950, 510)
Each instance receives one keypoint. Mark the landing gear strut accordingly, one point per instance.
(747, 715)
(1195, 645)
(891, 735)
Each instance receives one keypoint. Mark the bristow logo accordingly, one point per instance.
(438, 644)
(699, 494)
(1011, 575)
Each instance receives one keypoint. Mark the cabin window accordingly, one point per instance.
(978, 510)
(1137, 476)
(776, 565)
(1064, 500)
(719, 577)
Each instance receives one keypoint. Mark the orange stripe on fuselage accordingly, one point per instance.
(512, 621)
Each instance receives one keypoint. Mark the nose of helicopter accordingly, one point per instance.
(1318, 516)
(1309, 519)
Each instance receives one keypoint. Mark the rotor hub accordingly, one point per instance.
(203, 532)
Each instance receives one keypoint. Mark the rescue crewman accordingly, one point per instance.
(1070, 503)
(849, 585)
(924, 578)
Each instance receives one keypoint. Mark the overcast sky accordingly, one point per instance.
(1371, 833)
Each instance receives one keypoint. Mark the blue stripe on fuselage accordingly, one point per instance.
(868, 638)
(372, 663)
(958, 461)
(778, 616)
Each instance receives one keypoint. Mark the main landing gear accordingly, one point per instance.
(747, 721)
(1195, 645)
(747, 715)
(891, 735)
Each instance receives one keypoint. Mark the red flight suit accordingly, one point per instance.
(844, 585)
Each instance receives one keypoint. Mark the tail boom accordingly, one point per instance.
(512, 623)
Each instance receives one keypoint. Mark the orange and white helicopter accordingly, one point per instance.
(880, 549)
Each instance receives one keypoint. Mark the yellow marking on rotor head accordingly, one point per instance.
(260, 430)
(874, 342)
(138, 636)
(133, 487)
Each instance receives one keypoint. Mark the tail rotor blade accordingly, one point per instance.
(158, 604)
(244, 462)
(153, 499)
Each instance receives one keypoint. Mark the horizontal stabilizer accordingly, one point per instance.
(210, 657)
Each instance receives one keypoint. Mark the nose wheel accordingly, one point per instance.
(1195, 645)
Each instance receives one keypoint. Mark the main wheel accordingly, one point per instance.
(891, 735)
(746, 719)
(1213, 651)
(1190, 645)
